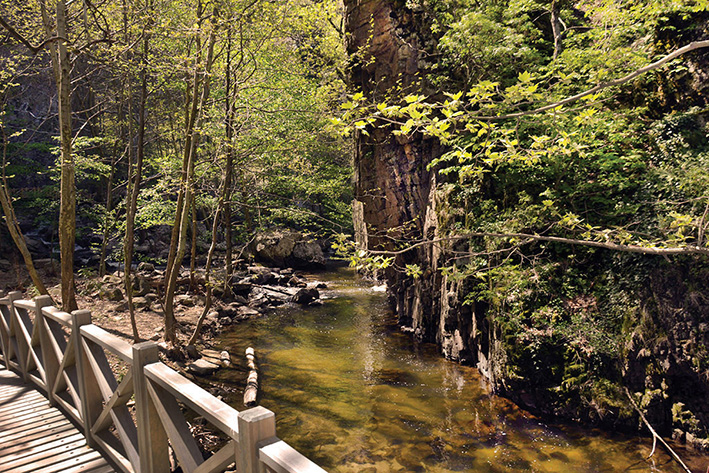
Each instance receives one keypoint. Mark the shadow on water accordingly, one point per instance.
(354, 394)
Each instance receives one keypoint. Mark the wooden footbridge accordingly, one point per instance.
(75, 398)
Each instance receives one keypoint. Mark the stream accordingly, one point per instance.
(354, 394)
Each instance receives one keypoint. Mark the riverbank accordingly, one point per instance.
(358, 394)
(355, 393)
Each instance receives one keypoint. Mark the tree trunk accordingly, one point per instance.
(556, 28)
(134, 191)
(13, 226)
(190, 102)
(67, 205)
(229, 169)
(208, 269)
(189, 157)
(193, 246)
(107, 218)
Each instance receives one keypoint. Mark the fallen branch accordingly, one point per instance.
(251, 391)
(655, 435)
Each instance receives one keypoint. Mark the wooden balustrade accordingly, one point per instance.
(68, 358)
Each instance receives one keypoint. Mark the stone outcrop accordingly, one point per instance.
(287, 248)
(396, 195)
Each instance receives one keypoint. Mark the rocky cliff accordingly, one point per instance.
(648, 334)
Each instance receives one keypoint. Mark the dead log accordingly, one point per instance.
(251, 391)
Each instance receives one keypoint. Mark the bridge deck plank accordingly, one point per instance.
(35, 437)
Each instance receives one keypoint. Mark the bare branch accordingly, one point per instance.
(655, 435)
(683, 250)
(650, 67)
(13, 32)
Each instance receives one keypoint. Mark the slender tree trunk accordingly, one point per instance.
(190, 102)
(228, 170)
(192, 139)
(13, 226)
(107, 219)
(134, 190)
(208, 269)
(556, 28)
(248, 219)
(193, 246)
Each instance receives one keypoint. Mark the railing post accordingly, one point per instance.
(49, 356)
(4, 336)
(21, 352)
(152, 440)
(91, 400)
(255, 427)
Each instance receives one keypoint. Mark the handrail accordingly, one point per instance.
(280, 457)
(219, 413)
(65, 355)
(108, 341)
(59, 316)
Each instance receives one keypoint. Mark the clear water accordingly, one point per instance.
(354, 394)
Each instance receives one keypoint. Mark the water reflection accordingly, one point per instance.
(355, 395)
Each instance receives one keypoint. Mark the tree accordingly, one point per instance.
(195, 108)
(56, 38)
(13, 225)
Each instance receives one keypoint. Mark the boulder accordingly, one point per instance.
(295, 281)
(111, 294)
(305, 296)
(141, 285)
(112, 279)
(47, 264)
(308, 254)
(141, 303)
(261, 275)
(245, 312)
(184, 300)
(146, 267)
(35, 245)
(241, 300)
(241, 289)
(286, 248)
(192, 352)
(202, 367)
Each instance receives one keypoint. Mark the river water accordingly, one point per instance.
(354, 394)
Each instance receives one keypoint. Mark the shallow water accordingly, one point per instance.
(354, 394)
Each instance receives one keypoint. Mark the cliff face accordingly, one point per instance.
(396, 197)
(660, 343)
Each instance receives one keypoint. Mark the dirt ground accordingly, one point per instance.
(112, 316)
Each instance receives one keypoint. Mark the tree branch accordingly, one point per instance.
(604, 85)
(685, 250)
(655, 435)
(13, 32)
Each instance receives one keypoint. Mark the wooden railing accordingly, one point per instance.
(138, 421)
